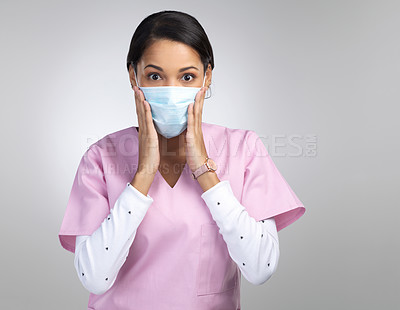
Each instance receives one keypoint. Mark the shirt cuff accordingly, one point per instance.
(139, 194)
(131, 196)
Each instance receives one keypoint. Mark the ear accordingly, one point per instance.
(132, 78)
(208, 76)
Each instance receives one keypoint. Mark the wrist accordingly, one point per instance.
(208, 166)
(208, 180)
(199, 162)
(147, 170)
(142, 181)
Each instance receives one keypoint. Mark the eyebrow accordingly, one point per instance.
(180, 70)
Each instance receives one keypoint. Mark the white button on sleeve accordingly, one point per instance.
(252, 245)
(99, 257)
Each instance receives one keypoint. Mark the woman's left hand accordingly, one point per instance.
(196, 152)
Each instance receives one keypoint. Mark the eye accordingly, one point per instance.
(188, 77)
(153, 76)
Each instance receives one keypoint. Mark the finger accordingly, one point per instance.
(202, 104)
(141, 110)
(148, 115)
(190, 118)
(198, 105)
(137, 105)
(147, 119)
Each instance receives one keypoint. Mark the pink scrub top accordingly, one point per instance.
(178, 259)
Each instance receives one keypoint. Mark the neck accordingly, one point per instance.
(172, 149)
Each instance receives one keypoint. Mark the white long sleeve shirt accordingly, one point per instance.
(252, 245)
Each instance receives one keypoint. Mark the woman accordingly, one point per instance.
(169, 214)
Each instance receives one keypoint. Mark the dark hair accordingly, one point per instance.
(170, 25)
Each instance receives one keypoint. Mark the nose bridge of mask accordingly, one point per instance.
(137, 82)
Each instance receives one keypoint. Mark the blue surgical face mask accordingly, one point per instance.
(169, 105)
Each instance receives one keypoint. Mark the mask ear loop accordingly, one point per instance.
(208, 88)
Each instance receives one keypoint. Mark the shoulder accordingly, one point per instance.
(233, 136)
(120, 141)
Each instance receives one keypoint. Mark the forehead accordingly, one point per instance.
(170, 54)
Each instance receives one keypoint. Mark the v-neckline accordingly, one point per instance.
(162, 179)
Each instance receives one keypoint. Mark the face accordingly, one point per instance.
(170, 63)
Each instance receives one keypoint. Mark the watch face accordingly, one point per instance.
(212, 164)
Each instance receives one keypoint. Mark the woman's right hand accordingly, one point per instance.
(149, 154)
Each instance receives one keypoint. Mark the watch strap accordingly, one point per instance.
(202, 169)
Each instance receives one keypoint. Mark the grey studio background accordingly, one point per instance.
(317, 80)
